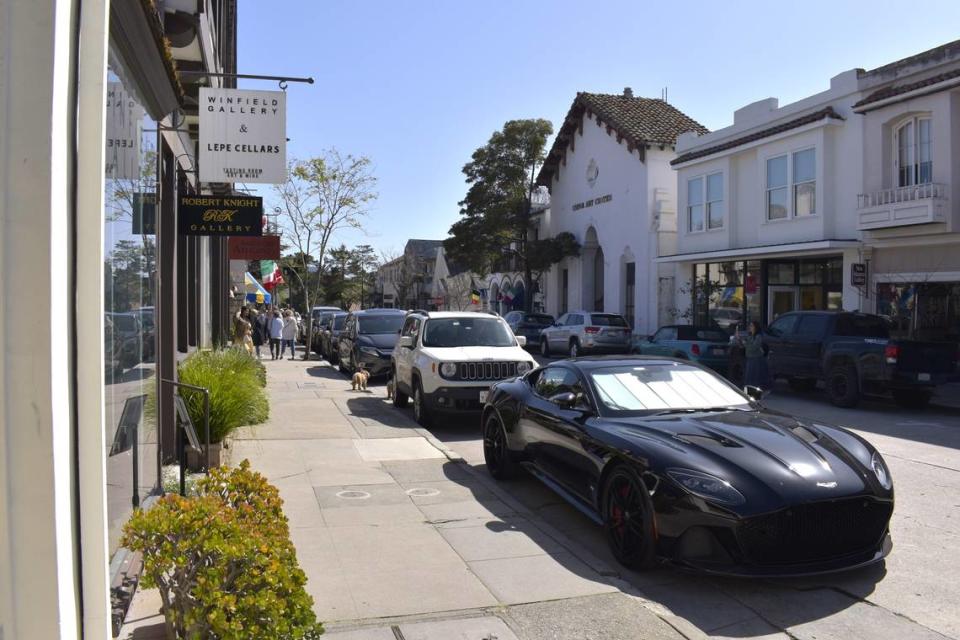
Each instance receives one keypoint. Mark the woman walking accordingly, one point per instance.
(261, 335)
(242, 330)
(289, 334)
(276, 334)
(756, 373)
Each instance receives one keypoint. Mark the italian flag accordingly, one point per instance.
(270, 273)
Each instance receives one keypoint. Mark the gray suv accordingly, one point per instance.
(580, 332)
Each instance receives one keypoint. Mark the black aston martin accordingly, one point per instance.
(677, 464)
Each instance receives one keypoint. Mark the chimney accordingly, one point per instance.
(627, 92)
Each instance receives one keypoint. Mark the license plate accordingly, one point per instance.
(718, 351)
(923, 377)
(483, 396)
(615, 332)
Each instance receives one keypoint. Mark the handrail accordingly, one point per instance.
(910, 193)
(206, 428)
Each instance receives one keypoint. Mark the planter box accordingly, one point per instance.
(197, 459)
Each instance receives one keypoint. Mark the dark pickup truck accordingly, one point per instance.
(852, 354)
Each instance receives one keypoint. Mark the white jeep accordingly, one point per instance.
(447, 360)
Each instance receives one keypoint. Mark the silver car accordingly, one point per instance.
(580, 332)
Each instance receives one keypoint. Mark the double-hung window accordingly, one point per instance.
(914, 153)
(792, 185)
(705, 202)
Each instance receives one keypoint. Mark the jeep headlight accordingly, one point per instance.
(448, 369)
(523, 367)
(706, 486)
(880, 470)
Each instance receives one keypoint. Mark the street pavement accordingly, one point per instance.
(403, 535)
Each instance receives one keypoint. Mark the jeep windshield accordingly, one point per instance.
(467, 332)
(371, 325)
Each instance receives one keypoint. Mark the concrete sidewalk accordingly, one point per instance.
(400, 538)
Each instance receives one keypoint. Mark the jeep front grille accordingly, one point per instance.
(486, 370)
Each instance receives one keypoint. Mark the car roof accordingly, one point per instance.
(593, 313)
(453, 314)
(378, 312)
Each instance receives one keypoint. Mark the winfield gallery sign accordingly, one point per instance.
(220, 216)
(243, 135)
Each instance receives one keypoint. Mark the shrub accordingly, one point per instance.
(223, 561)
(235, 381)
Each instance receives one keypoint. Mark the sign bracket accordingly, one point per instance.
(282, 80)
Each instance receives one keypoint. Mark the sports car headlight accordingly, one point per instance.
(370, 351)
(880, 470)
(448, 369)
(707, 486)
(523, 367)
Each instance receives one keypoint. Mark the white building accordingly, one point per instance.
(611, 185)
(779, 209)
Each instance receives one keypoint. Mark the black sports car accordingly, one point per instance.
(677, 464)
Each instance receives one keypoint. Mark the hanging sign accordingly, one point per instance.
(144, 214)
(220, 216)
(122, 141)
(252, 248)
(243, 135)
(858, 274)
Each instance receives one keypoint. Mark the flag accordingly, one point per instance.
(475, 297)
(270, 273)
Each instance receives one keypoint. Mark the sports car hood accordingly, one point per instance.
(763, 453)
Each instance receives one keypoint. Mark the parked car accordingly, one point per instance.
(446, 361)
(317, 338)
(367, 339)
(315, 314)
(148, 328)
(330, 330)
(679, 465)
(528, 325)
(112, 351)
(726, 317)
(706, 345)
(853, 355)
(580, 332)
(128, 337)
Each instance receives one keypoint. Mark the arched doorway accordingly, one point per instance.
(518, 296)
(495, 297)
(598, 280)
(592, 272)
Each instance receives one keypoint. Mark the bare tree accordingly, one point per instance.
(321, 196)
(458, 288)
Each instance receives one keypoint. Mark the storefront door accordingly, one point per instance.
(781, 299)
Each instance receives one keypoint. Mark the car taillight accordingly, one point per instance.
(592, 329)
(695, 349)
(891, 353)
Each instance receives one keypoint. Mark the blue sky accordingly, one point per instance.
(417, 86)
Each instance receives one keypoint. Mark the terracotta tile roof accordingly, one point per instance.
(809, 118)
(896, 90)
(641, 121)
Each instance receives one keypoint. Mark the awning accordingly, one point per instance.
(790, 249)
(254, 290)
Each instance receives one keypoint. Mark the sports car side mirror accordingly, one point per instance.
(565, 400)
(754, 393)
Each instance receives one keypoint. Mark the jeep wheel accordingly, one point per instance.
(574, 348)
(421, 413)
(544, 348)
(842, 386)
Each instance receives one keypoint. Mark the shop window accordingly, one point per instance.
(777, 188)
(695, 204)
(781, 273)
(812, 272)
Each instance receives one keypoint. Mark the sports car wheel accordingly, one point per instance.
(544, 348)
(628, 519)
(420, 411)
(574, 348)
(495, 452)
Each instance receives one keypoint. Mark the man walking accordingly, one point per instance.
(289, 334)
(276, 334)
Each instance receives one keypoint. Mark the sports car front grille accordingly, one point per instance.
(815, 531)
(486, 370)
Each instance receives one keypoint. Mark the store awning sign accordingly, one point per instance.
(243, 135)
(858, 274)
(220, 215)
(122, 141)
(250, 248)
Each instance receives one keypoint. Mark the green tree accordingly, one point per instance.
(322, 196)
(127, 274)
(497, 212)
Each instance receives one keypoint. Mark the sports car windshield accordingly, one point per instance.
(662, 387)
(467, 332)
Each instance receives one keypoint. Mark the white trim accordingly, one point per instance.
(912, 241)
(819, 247)
(903, 97)
(925, 276)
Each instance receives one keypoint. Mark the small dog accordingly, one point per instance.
(390, 389)
(359, 380)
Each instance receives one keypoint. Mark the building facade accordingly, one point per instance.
(837, 201)
(99, 137)
(612, 187)
(407, 282)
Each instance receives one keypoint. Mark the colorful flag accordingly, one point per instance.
(475, 297)
(270, 273)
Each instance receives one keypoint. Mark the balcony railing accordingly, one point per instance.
(897, 195)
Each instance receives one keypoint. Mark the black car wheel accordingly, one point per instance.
(842, 386)
(420, 411)
(628, 519)
(911, 398)
(495, 452)
(544, 348)
(574, 348)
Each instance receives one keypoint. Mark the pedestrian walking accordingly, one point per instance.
(289, 334)
(756, 373)
(261, 331)
(276, 334)
(242, 330)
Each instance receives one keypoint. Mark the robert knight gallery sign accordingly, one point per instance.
(243, 135)
(220, 216)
